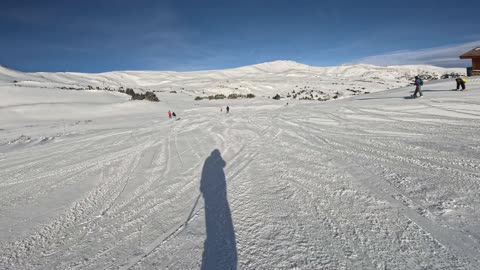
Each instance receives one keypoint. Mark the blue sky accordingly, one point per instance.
(96, 36)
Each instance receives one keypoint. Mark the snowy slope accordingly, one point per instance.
(92, 180)
(369, 182)
(267, 79)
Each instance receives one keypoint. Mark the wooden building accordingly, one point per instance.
(475, 56)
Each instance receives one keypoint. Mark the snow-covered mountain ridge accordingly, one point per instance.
(286, 78)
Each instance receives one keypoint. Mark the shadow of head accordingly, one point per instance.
(217, 158)
(213, 176)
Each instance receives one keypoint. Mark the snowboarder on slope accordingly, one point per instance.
(461, 82)
(228, 109)
(418, 88)
(169, 114)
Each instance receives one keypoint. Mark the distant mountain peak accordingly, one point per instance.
(277, 66)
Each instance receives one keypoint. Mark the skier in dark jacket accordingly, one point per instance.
(418, 88)
(228, 109)
(174, 115)
(461, 82)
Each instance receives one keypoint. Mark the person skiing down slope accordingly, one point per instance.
(228, 109)
(169, 114)
(418, 88)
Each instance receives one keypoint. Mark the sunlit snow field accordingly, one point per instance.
(92, 180)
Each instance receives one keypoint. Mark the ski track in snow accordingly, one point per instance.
(371, 182)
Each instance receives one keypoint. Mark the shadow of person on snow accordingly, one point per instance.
(358, 99)
(444, 90)
(220, 250)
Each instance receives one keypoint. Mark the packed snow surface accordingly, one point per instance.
(91, 180)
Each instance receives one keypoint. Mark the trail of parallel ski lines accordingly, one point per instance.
(329, 221)
(51, 176)
(176, 230)
(442, 108)
(386, 192)
(28, 170)
(234, 172)
(153, 204)
(81, 207)
(400, 152)
(426, 128)
(116, 211)
(275, 192)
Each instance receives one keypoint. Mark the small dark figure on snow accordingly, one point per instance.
(461, 82)
(174, 115)
(418, 88)
(228, 109)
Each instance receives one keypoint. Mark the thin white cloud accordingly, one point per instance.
(447, 56)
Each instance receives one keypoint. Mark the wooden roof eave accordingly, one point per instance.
(469, 57)
(475, 53)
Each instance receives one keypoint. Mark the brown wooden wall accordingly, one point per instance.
(476, 63)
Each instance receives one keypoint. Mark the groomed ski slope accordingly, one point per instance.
(371, 182)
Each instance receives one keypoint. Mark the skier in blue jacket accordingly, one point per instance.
(418, 88)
